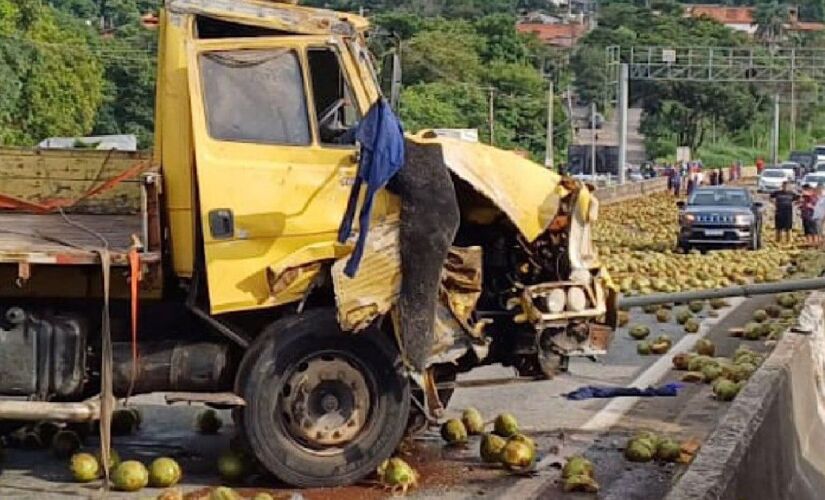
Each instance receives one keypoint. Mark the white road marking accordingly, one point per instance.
(610, 415)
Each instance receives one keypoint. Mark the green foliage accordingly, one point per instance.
(50, 81)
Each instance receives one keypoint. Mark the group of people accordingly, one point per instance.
(811, 205)
(689, 176)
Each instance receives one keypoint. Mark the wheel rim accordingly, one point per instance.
(325, 402)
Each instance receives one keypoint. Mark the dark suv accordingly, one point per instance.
(720, 217)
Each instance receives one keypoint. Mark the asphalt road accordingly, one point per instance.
(596, 428)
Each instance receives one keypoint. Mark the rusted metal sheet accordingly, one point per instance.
(374, 290)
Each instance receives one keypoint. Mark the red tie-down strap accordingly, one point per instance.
(9, 202)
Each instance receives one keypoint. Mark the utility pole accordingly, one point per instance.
(593, 140)
(793, 115)
(548, 157)
(775, 142)
(624, 92)
(492, 116)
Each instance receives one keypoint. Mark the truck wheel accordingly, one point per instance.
(324, 408)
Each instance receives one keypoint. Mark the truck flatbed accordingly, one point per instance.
(70, 239)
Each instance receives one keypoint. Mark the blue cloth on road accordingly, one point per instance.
(592, 391)
(382, 155)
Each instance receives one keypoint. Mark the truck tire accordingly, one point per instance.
(323, 408)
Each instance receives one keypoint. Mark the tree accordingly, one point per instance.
(770, 18)
(51, 80)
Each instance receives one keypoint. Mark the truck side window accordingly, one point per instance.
(337, 115)
(255, 96)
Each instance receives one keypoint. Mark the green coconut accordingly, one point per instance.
(711, 372)
(640, 332)
(224, 493)
(725, 390)
(131, 475)
(705, 347)
(397, 474)
(46, 431)
(232, 466)
(518, 456)
(84, 467)
(787, 314)
(696, 306)
(581, 484)
(692, 325)
(760, 315)
(661, 345)
(473, 421)
(662, 315)
(681, 361)
(753, 331)
(668, 450)
(693, 377)
(124, 422)
(786, 300)
(490, 448)
(164, 472)
(577, 466)
(65, 444)
(208, 422)
(644, 348)
(454, 432)
(640, 450)
(743, 371)
(683, 316)
(717, 304)
(505, 425)
(773, 310)
(650, 309)
(698, 362)
(263, 496)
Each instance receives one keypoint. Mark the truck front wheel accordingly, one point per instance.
(324, 408)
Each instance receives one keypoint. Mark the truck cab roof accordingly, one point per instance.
(270, 14)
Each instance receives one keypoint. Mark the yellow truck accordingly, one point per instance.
(219, 265)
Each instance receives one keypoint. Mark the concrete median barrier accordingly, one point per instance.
(771, 443)
(616, 194)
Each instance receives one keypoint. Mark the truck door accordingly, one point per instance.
(273, 124)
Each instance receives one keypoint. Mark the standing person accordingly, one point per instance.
(760, 166)
(691, 184)
(819, 215)
(714, 178)
(807, 204)
(783, 202)
(677, 183)
(721, 177)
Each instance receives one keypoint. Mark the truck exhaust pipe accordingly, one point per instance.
(722, 293)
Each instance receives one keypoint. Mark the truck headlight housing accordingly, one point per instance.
(743, 220)
(688, 219)
(556, 301)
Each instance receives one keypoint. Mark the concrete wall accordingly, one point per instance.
(770, 444)
(615, 194)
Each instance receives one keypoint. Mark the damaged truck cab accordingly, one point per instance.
(254, 163)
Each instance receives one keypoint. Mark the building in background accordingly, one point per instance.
(743, 18)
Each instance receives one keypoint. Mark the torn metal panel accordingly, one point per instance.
(461, 286)
(375, 289)
(526, 192)
(277, 16)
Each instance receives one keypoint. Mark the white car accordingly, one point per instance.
(771, 180)
(820, 167)
(819, 152)
(814, 180)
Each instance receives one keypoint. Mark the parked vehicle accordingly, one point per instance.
(820, 167)
(771, 180)
(805, 158)
(229, 236)
(793, 169)
(814, 179)
(720, 217)
(819, 152)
